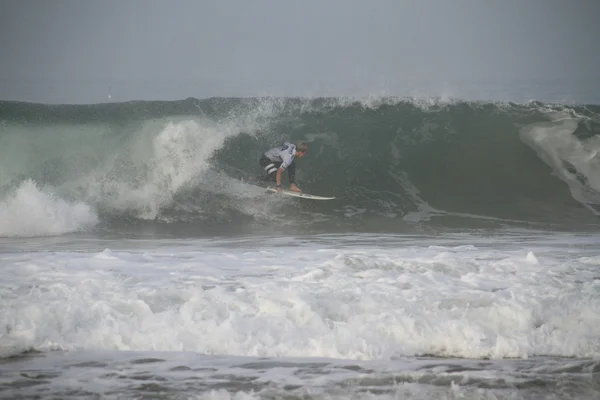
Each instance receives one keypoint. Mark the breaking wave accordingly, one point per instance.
(392, 163)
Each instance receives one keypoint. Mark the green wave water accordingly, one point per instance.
(392, 164)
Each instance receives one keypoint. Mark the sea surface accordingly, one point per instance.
(459, 260)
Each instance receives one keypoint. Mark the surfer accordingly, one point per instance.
(280, 158)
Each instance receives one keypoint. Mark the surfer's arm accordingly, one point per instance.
(278, 176)
(287, 159)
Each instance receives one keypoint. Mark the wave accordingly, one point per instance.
(391, 163)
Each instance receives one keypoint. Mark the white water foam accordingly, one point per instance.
(33, 211)
(159, 160)
(311, 300)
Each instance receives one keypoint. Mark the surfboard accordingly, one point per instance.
(299, 194)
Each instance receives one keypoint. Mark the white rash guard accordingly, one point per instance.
(284, 154)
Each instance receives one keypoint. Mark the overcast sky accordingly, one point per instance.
(79, 50)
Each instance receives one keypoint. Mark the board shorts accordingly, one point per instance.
(271, 167)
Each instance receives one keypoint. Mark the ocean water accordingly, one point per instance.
(459, 260)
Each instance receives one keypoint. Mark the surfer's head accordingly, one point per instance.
(301, 149)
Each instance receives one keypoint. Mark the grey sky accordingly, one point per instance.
(74, 50)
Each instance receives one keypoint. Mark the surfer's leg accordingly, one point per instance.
(270, 169)
(292, 172)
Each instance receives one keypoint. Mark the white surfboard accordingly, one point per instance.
(299, 194)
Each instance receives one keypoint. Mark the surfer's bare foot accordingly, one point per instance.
(295, 188)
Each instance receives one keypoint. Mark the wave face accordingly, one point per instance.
(392, 163)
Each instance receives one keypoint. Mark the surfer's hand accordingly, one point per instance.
(295, 188)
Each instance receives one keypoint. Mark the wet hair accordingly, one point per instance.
(301, 146)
